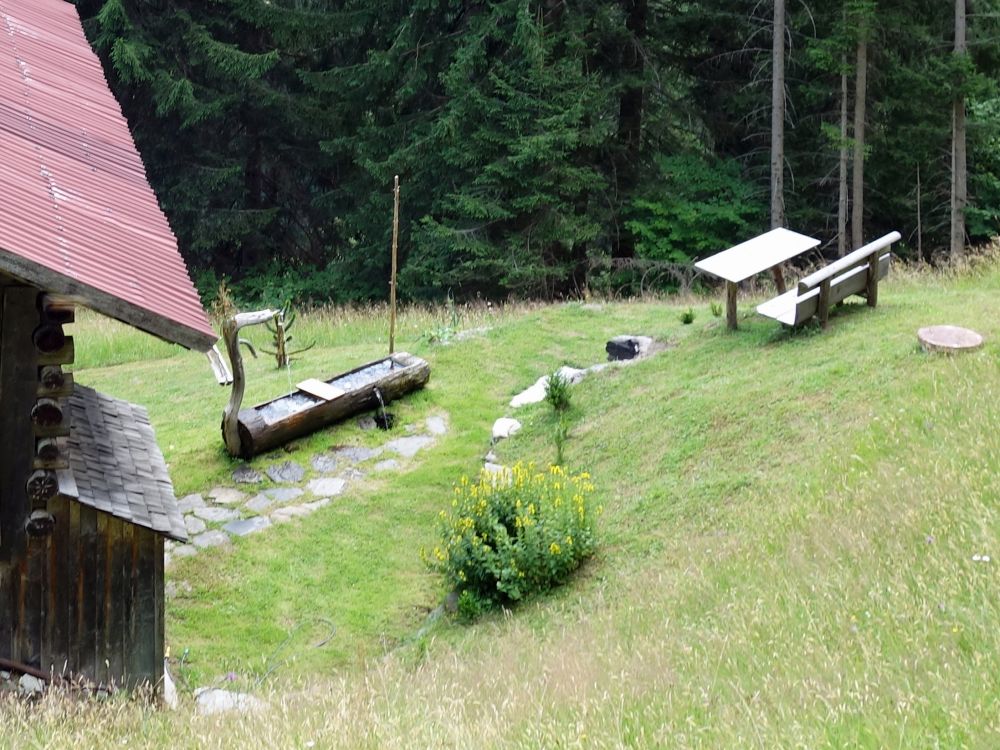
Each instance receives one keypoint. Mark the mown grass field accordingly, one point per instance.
(787, 543)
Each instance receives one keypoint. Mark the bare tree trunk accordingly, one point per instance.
(631, 106)
(858, 183)
(959, 172)
(778, 117)
(844, 161)
(920, 217)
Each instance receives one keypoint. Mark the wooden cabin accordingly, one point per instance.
(85, 499)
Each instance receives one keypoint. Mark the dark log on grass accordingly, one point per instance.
(258, 432)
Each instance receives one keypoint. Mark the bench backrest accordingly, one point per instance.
(852, 281)
(861, 256)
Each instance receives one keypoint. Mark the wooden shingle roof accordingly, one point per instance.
(116, 464)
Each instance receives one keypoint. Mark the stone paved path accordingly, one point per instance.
(248, 506)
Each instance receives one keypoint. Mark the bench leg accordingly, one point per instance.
(823, 305)
(779, 279)
(731, 289)
(872, 291)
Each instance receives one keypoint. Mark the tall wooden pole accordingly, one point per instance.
(395, 250)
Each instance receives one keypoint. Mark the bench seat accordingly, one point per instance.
(793, 308)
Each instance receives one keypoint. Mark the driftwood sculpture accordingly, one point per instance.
(316, 404)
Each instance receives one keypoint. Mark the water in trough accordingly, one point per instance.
(293, 403)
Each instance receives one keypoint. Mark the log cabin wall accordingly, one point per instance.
(82, 593)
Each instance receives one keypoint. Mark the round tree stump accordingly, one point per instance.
(949, 339)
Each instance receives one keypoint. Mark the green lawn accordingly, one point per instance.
(787, 560)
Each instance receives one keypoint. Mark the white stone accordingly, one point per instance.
(494, 468)
(30, 685)
(533, 395)
(185, 550)
(390, 464)
(505, 427)
(211, 701)
(259, 503)
(193, 524)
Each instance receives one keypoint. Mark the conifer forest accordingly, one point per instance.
(550, 147)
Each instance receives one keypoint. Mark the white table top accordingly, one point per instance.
(759, 254)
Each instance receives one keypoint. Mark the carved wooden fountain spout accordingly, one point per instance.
(231, 334)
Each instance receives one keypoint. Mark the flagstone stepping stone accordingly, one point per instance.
(284, 494)
(390, 464)
(353, 474)
(213, 538)
(286, 473)
(193, 524)
(259, 503)
(247, 526)
(324, 463)
(504, 428)
(216, 515)
(407, 447)
(314, 506)
(327, 486)
(283, 515)
(355, 454)
(226, 496)
(437, 425)
(189, 502)
(949, 339)
(247, 475)
(494, 468)
(185, 550)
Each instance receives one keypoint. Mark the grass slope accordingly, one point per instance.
(789, 531)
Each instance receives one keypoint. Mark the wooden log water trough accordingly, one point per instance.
(364, 388)
(317, 404)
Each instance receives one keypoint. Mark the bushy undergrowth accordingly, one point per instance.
(513, 534)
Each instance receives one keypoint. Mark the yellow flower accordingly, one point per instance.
(554, 549)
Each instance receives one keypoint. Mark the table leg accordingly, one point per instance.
(731, 289)
(779, 279)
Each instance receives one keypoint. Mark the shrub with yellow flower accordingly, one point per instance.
(515, 533)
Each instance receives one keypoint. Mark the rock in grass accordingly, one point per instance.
(210, 701)
(407, 447)
(226, 496)
(504, 428)
(247, 475)
(214, 538)
(247, 526)
(286, 473)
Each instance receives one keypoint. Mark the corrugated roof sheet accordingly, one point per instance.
(77, 214)
(117, 465)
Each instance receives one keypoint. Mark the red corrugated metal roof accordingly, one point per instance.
(77, 215)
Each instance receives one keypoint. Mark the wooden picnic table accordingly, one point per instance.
(765, 252)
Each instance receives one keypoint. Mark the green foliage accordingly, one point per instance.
(559, 436)
(515, 534)
(687, 316)
(692, 207)
(716, 308)
(557, 391)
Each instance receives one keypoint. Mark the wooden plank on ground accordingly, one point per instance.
(319, 389)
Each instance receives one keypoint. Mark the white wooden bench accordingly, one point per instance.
(856, 273)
